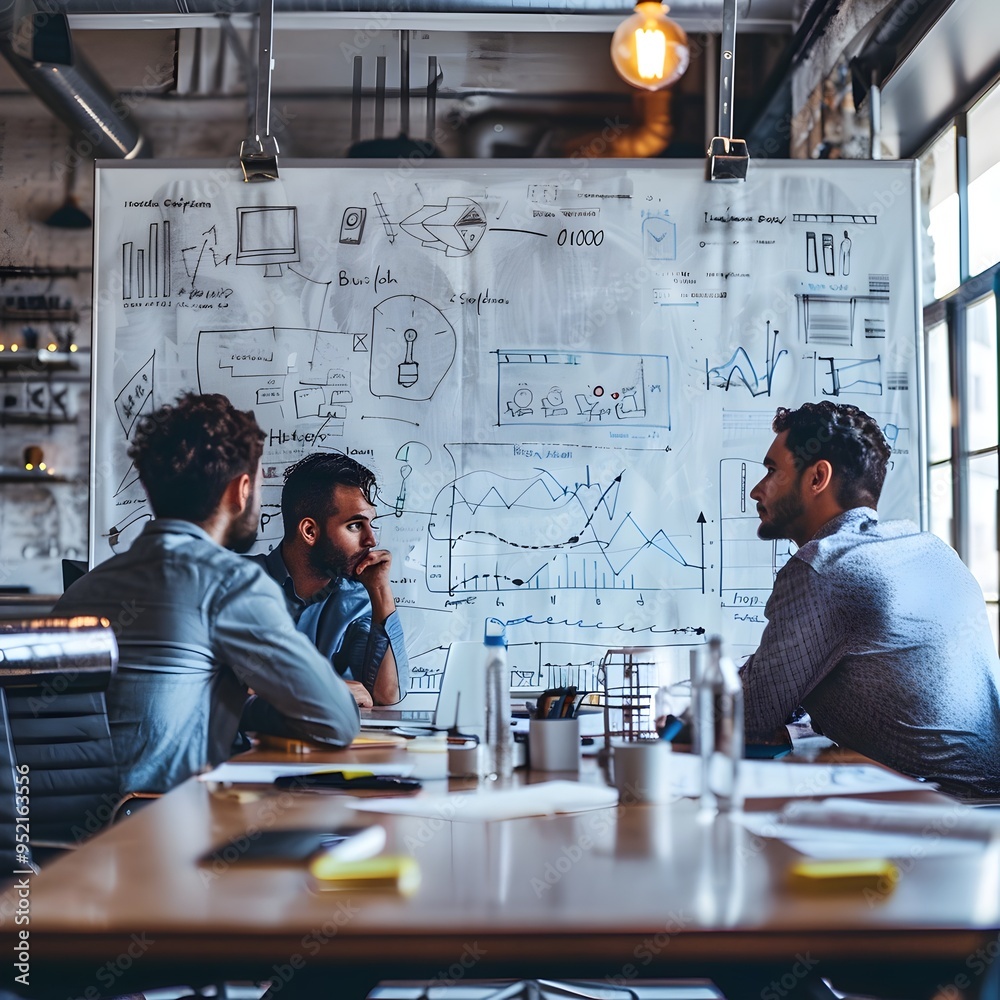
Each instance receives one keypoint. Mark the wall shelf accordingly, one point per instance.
(12, 315)
(41, 361)
(34, 419)
(9, 474)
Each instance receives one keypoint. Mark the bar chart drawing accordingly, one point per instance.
(146, 269)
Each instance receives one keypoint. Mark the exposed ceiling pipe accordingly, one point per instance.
(710, 10)
(40, 50)
(648, 135)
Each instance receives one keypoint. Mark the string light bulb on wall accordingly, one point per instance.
(648, 49)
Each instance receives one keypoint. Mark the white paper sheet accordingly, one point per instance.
(777, 779)
(543, 799)
(840, 843)
(264, 774)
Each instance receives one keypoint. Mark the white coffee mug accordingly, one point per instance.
(641, 770)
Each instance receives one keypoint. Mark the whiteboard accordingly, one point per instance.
(562, 372)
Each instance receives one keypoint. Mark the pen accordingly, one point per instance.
(671, 727)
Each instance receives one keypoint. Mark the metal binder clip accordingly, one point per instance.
(259, 163)
(259, 152)
(728, 158)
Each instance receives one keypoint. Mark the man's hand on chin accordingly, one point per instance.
(360, 692)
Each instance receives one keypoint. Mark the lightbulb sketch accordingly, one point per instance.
(399, 324)
(409, 370)
(404, 474)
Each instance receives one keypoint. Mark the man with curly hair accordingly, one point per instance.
(335, 580)
(207, 625)
(876, 628)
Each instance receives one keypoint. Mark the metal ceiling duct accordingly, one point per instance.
(710, 10)
(39, 48)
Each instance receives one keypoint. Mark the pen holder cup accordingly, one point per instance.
(554, 744)
(465, 760)
(641, 770)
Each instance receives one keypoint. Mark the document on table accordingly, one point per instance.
(769, 779)
(543, 799)
(846, 828)
(249, 773)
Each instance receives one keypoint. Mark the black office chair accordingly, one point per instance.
(54, 673)
(12, 858)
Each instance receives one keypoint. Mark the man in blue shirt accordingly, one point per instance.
(336, 583)
(876, 628)
(202, 625)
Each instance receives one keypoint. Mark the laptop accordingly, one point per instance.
(461, 701)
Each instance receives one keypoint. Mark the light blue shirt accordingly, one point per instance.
(197, 625)
(880, 632)
(339, 622)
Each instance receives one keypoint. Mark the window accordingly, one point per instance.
(962, 202)
(984, 182)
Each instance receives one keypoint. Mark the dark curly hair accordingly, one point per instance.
(850, 440)
(186, 453)
(309, 484)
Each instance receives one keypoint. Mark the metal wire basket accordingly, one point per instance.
(629, 678)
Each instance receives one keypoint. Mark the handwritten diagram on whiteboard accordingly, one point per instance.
(562, 374)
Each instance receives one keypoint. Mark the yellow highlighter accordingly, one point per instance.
(877, 874)
(391, 871)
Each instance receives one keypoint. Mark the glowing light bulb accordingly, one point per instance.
(51, 347)
(13, 347)
(650, 53)
(649, 50)
(42, 466)
(72, 348)
(28, 466)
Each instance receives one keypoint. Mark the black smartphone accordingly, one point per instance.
(283, 846)
(337, 781)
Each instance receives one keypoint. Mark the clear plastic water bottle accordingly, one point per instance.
(718, 714)
(499, 753)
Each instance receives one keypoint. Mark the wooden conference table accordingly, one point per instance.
(608, 895)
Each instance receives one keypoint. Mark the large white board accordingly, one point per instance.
(563, 373)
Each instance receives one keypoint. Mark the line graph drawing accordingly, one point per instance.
(582, 388)
(552, 531)
(739, 370)
(748, 564)
(835, 376)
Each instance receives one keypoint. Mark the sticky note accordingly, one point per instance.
(389, 871)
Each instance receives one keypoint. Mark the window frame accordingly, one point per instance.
(952, 311)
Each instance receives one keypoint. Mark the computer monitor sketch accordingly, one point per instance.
(267, 235)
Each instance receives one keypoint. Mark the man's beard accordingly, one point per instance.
(781, 514)
(243, 531)
(327, 560)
